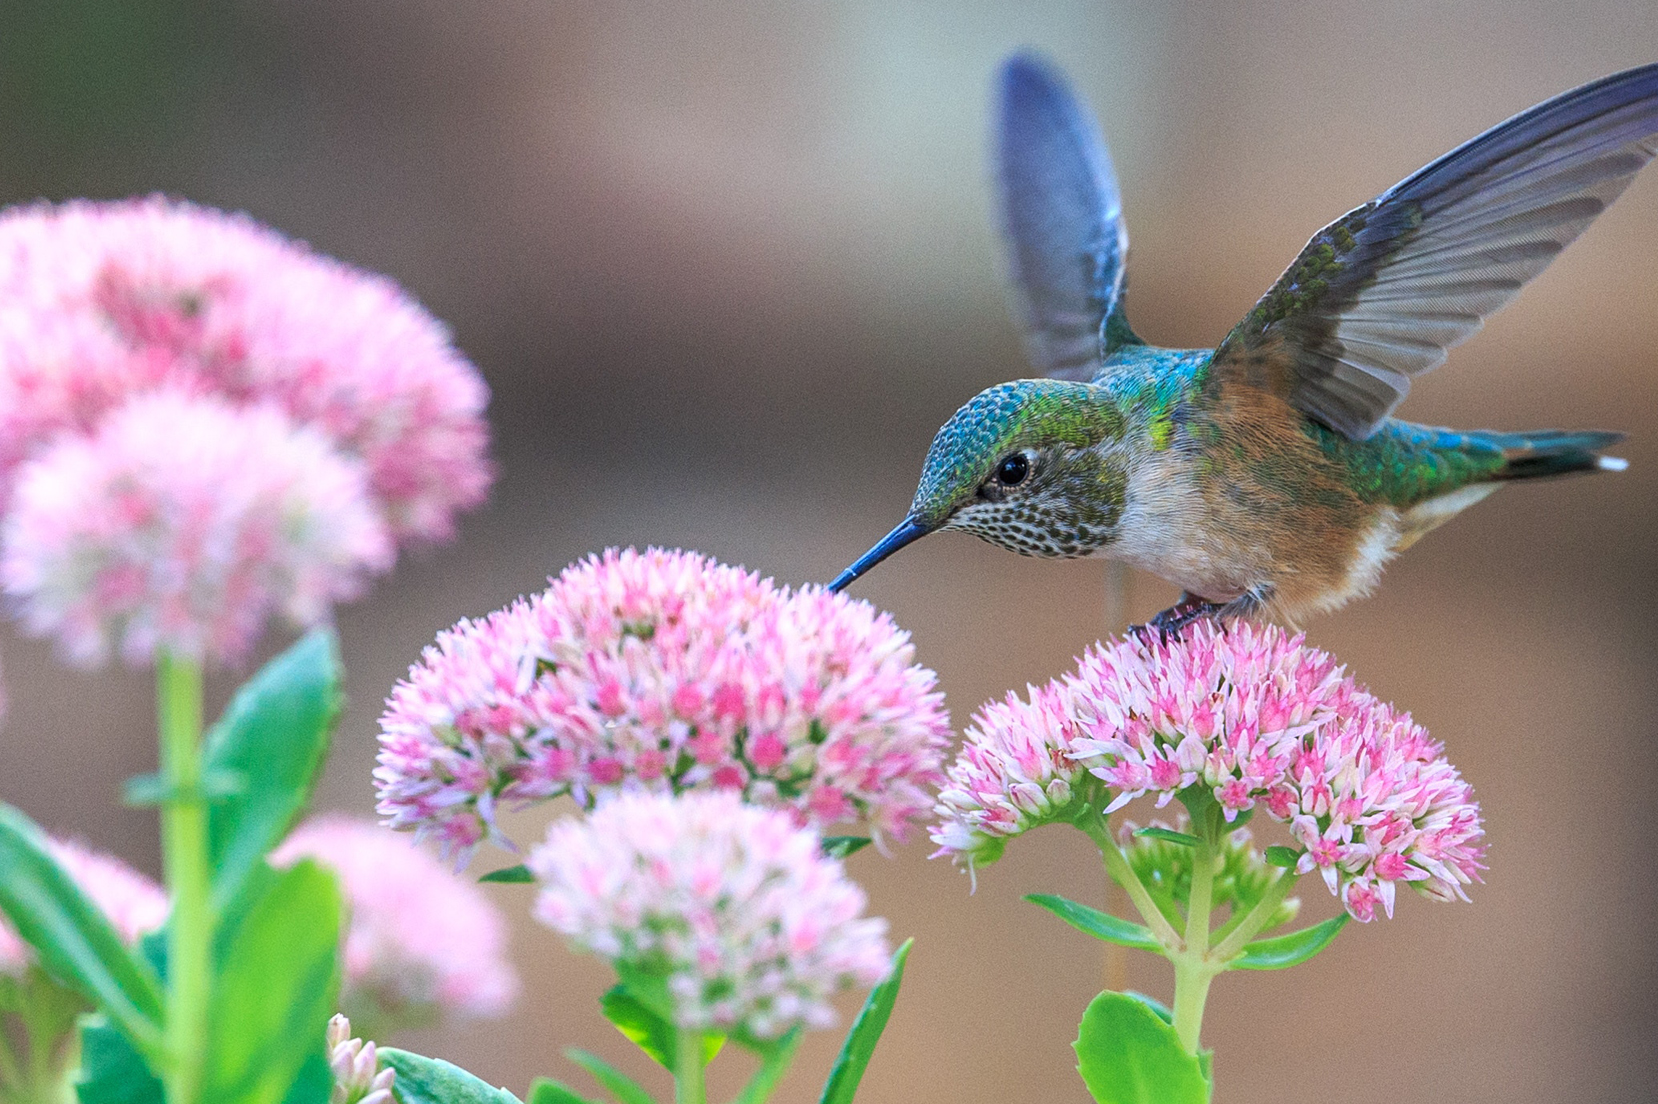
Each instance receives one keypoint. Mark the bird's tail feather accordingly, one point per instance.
(1554, 452)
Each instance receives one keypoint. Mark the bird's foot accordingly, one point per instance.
(1191, 609)
(1174, 620)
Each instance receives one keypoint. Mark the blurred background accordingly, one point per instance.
(727, 266)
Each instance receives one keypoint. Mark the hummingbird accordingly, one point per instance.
(1265, 477)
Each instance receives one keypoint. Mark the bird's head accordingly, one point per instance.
(1027, 465)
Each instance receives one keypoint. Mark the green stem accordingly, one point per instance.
(1117, 864)
(184, 843)
(771, 1071)
(688, 1083)
(1253, 921)
(10, 1077)
(1192, 969)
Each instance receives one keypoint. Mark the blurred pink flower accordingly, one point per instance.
(1261, 721)
(102, 300)
(664, 671)
(733, 907)
(134, 904)
(182, 523)
(421, 940)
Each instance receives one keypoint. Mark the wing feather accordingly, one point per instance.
(1061, 217)
(1381, 294)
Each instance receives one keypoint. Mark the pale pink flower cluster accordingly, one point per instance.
(102, 300)
(420, 939)
(134, 904)
(664, 671)
(1013, 772)
(1261, 721)
(733, 907)
(182, 523)
(326, 382)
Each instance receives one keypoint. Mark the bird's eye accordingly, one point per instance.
(1013, 470)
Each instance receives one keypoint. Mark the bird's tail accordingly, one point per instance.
(1553, 452)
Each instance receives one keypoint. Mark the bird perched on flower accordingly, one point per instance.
(1265, 476)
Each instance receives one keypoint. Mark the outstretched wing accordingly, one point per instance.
(1062, 217)
(1379, 295)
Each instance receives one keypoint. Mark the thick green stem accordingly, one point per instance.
(1191, 991)
(688, 1083)
(1117, 864)
(184, 842)
(1192, 969)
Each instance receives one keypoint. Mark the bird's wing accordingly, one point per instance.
(1379, 295)
(1061, 216)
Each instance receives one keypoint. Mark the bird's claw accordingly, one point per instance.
(1191, 609)
(1173, 621)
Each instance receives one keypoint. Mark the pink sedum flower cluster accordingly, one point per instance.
(664, 671)
(1013, 772)
(181, 523)
(102, 300)
(327, 412)
(421, 941)
(1258, 719)
(134, 904)
(732, 907)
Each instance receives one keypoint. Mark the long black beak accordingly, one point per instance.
(908, 531)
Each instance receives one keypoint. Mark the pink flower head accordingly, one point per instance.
(732, 907)
(99, 301)
(1013, 772)
(181, 524)
(664, 671)
(1260, 721)
(421, 940)
(133, 903)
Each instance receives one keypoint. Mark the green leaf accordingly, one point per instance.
(315, 1083)
(1157, 1006)
(1168, 834)
(1282, 951)
(617, 1083)
(146, 790)
(1279, 855)
(773, 1066)
(274, 735)
(547, 1091)
(72, 938)
(1100, 925)
(865, 1033)
(1128, 1055)
(112, 1072)
(277, 982)
(839, 847)
(423, 1080)
(649, 989)
(648, 1031)
(514, 875)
